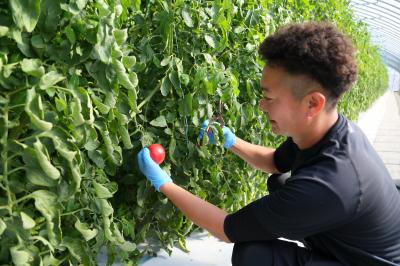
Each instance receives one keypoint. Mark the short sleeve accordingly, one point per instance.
(296, 211)
(285, 155)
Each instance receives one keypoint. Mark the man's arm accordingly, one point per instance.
(258, 157)
(200, 212)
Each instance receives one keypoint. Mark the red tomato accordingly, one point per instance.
(157, 153)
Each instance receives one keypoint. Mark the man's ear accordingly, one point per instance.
(315, 102)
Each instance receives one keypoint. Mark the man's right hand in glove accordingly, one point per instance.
(229, 137)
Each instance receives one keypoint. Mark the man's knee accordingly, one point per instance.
(252, 254)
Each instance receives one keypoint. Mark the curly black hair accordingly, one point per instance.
(317, 50)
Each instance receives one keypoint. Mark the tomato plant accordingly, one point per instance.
(85, 84)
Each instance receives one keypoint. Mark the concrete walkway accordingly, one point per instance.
(381, 124)
(387, 141)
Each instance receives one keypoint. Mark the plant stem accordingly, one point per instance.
(16, 170)
(149, 96)
(12, 156)
(16, 91)
(16, 106)
(78, 210)
(62, 89)
(21, 199)
(4, 155)
(32, 137)
(44, 252)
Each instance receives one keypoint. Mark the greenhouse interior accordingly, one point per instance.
(200, 133)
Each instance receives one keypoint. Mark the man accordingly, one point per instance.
(336, 197)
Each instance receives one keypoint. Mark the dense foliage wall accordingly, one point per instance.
(84, 85)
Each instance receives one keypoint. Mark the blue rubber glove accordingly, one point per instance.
(152, 170)
(229, 137)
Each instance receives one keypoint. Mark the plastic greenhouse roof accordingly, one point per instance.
(383, 20)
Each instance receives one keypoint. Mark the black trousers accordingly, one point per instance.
(277, 252)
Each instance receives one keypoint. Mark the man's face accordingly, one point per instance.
(285, 113)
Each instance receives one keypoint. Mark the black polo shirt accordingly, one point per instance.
(340, 200)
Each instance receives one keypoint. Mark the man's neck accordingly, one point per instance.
(316, 130)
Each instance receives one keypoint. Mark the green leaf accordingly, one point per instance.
(182, 245)
(61, 105)
(118, 235)
(34, 172)
(8, 69)
(3, 226)
(4, 30)
(126, 139)
(49, 19)
(186, 17)
(159, 122)
(141, 194)
(210, 40)
(173, 77)
(44, 241)
(184, 79)
(133, 79)
(92, 142)
(123, 78)
(106, 228)
(165, 61)
(32, 67)
(76, 176)
(74, 246)
(85, 231)
(49, 79)
(105, 207)
(121, 36)
(36, 121)
(112, 150)
(186, 105)
(165, 86)
(44, 162)
(25, 13)
(132, 100)
(110, 99)
(21, 256)
(128, 61)
(37, 42)
(128, 246)
(97, 158)
(101, 191)
(63, 150)
(76, 109)
(208, 58)
(50, 260)
(81, 4)
(171, 149)
(70, 33)
(46, 203)
(104, 109)
(105, 41)
(39, 178)
(27, 221)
